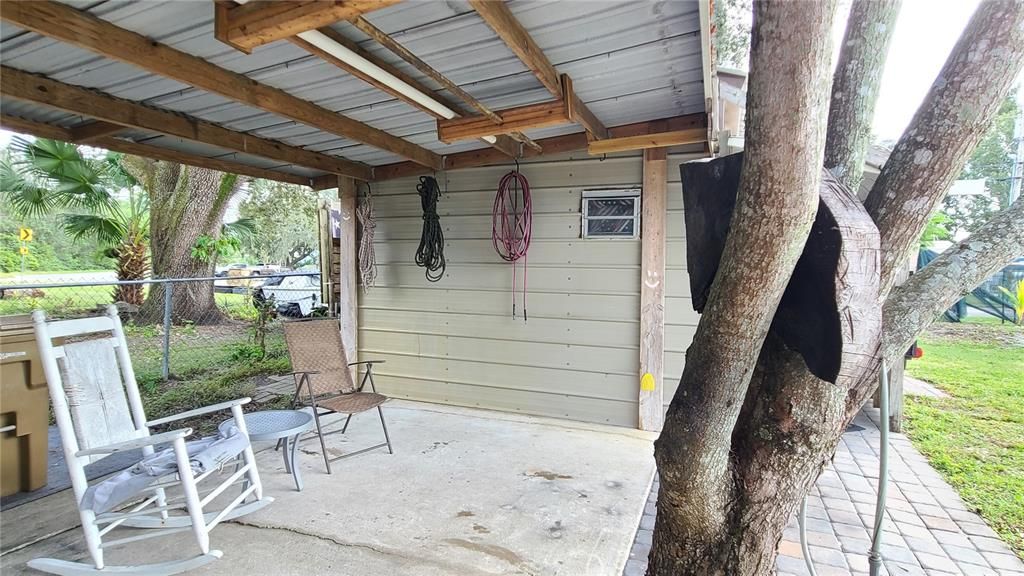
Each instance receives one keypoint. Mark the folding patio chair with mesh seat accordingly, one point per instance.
(323, 379)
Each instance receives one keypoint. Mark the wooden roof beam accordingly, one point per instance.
(41, 130)
(259, 22)
(396, 48)
(500, 18)
(566, 110)
(554, 145)
(86, 31)
(108, 109)
(513, 119)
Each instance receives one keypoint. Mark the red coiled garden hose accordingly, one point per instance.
(511, 221)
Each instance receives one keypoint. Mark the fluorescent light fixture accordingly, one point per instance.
(321, 41)
(339, 51)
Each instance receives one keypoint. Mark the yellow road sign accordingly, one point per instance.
(24, 250)
(25, 234)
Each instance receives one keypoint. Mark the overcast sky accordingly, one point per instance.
(925, 33)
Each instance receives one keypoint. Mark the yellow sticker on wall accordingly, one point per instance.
(647, 382)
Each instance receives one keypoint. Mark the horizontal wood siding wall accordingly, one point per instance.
(455, 341)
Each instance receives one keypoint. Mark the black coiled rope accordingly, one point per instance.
(430, 253)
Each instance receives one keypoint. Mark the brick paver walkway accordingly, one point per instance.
(928, 529)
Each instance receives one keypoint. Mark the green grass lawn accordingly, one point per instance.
(975, 438)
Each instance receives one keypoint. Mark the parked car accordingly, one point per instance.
(294, 296)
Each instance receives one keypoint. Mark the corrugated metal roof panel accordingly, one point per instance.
(630, 61)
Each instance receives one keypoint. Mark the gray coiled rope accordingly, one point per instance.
(367, 258)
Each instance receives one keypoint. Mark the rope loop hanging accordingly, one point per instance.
(367, 225)
(511, 223)
(430, 253)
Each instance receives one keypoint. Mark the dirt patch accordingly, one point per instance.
(1000, 334)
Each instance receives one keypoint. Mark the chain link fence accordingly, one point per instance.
(193, 341)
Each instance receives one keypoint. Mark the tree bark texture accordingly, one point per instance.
(945, 130)
(777, 199)
(743, 442)
(186, 203)
(855, 86)
(824, 333)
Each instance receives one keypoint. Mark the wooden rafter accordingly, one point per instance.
(554, 145)
(500, 18)
(402, 52)
(578, 111)
(41, 130)
(86, 31)
(40, 90)
(508, 28)
(260, 22)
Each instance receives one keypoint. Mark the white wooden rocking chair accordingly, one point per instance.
(99, 412)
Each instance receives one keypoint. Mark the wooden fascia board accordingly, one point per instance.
(41, 130)
(645, 141)
(89, 32)
(41, 90)
(259, 22)
(554, 145)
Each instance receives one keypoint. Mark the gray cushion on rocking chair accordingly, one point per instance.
(204, 454)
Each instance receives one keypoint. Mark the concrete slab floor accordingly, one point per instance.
(466, 492)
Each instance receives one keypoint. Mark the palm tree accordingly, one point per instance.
(49, 175)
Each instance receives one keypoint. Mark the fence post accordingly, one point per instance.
(166, 365)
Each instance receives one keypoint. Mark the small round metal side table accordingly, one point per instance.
(284, 426)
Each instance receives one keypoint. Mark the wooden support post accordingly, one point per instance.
(652, 290)
(348, 312)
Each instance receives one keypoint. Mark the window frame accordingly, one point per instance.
(633, 194)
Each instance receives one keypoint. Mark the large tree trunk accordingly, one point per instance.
(697, 528)
(186, 203)
(759, 412)
(855, 85)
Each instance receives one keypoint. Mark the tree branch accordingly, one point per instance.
(946, 129)
(855, 87)
(916, 303)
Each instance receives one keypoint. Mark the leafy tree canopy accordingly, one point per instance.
(285, 215)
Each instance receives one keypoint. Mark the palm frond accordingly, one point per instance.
(24, 197)
(107, 231)
(73, 180)
(243, 230)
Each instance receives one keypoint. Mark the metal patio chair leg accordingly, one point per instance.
(345, 427)
(385, 427)
(320, 435)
